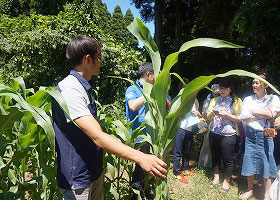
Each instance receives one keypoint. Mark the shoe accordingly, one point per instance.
(182, 178)
(189, 173)
(246, 195)
(225, 189)
(213, 185)
(137, 185)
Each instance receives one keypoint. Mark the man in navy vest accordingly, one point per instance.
(79, 148)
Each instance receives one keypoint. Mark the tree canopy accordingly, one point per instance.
(33, 46)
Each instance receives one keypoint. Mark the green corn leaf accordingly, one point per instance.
(25, 140)
(14, 189)
(122, 131)
(239, 72)
(162, 83)
(59, 98)
(2, 164)
(114, 192)
(21, 84)
(111, 169)
(12, 176)
(39, 114)
(141, 32)
(179, 77)
(38, 99)
(7, 121)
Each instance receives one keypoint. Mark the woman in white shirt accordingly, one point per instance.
(257, 110)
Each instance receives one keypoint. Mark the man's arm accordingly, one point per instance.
(150, 163)
(135, 104)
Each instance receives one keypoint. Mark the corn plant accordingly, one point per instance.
(162, 124)
(27, 142)
(118, 170)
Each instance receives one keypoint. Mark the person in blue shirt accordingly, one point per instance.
(80, 148)
(134, 107)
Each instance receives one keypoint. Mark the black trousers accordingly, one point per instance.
(182, 150)
(277, 148)
(138, 174)
(222, 148)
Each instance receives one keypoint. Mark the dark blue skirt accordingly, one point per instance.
(258, 157)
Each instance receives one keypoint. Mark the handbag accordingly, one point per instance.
(272, 130)
(202, 126)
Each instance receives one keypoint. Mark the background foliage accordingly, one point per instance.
(33, 46)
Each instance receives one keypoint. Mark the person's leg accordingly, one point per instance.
(216, 156)
(93, 192)
(96, 190)
(249, 193)
(177, 153)
(267, 185)
(187, 147)
(276, 152)
(138, 173)
(227, 151)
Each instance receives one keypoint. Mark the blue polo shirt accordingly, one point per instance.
(79, 159)
(132, 93)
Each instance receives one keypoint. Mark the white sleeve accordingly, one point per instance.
(246, 113)
(275, 104)
(76, 102)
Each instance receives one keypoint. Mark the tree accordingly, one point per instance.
(128, 19)
(150, 10)
(34, 47)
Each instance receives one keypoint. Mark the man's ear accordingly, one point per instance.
(86, 59)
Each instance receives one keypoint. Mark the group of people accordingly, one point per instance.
(226, 114)
(80, 145)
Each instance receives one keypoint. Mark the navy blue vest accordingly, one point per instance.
(79, 159)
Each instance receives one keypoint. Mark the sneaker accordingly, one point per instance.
(182, 178)
(136, 185)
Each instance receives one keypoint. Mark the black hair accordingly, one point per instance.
(144, 68)
(228, 82)
(80, 46)
(263, 75)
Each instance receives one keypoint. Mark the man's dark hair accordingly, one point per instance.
(144, 68)
(80, 46)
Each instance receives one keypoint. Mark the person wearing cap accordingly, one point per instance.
(135, 111)
(80, 145)
(215, 93)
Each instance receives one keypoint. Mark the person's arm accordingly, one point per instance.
(237, 107)
(246, 114)
(270, 112)
(135, 104)
(195, 108)
(150, 163)
(229, 116)
(263, 114)
(210, 114)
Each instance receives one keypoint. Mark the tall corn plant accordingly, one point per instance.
(27, 142)
(118, 170)
(161, 124)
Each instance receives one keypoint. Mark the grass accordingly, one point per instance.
(198, 187)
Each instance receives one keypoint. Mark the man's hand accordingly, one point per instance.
(153, 165)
